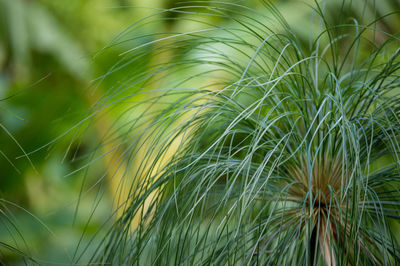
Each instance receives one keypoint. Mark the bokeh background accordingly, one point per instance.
(53, 57)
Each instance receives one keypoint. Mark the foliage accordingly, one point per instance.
(205, 133)
(45, 69)
(270, 151)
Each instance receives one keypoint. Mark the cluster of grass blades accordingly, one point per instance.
(262, 148)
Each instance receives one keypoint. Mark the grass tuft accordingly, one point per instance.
(251, 145)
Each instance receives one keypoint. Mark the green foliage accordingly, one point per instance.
(207, 133)
(278, 150)
(45, 69)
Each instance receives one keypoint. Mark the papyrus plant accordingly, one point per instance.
(285, 152)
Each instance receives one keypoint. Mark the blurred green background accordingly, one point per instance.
(46, 67)
(51, 63)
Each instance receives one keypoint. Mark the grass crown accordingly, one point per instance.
(279, 150)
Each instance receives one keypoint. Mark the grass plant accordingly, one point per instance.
(258, 147)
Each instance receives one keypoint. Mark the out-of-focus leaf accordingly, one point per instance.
(28, 26)
(15, 14)
(48, 36)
